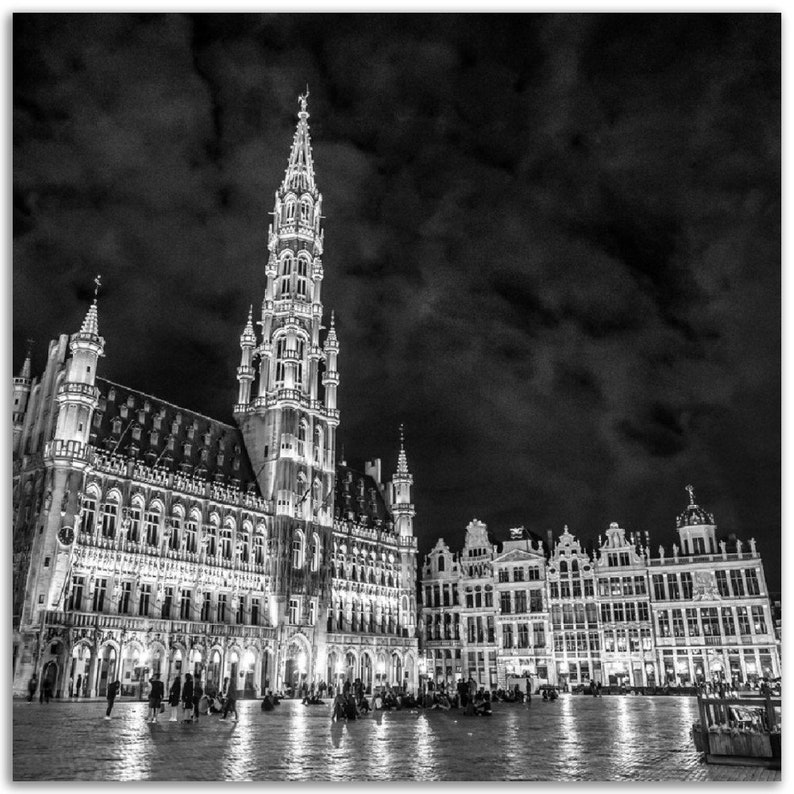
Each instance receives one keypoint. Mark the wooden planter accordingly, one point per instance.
(750, 745)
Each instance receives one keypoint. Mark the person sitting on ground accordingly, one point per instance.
(267, 701)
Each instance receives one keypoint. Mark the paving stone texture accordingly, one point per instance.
(576, 738)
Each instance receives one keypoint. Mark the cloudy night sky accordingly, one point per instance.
(552, 242)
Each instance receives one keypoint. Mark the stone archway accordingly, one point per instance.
(297, 665)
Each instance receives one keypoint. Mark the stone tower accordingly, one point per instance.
(286, 407)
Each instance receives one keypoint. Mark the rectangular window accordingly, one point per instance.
(617, 612)
(567, 615)
(520, 601)
(538, 635)
(144, 597)
(222, 608)
(533, 574)
(692, 624)
(240, 617)
(559, 643)
(535, 600)
(76, 595)
(488, 596)
(672, 586)
(686, 586)
(504, 603)
(631, 611)
(255, 611)
(647, 640)
(759, 622)
(471, 630)
(603, 587)
(639, 585)
(753, 588)
(678, 623)
(507, 636)
(570, 642)
(609, 641)
(523, 635)
(581, 643)
(722, 584)
(658, 587)
(518, 574)
(99, 595)
(293, 610)
(628, 585)
(591, 610)
(744, 623)
(577, 588)
(469, 599)
(595, 644)
(565, 589)
(578, 611)
(428, 597)
(642, 611)
(710, 621)
(124, 601)
(728, 625)
(504, 575)
(152, 523)
(634, 640)
(554, 590)
(206, 608)
(589, 590)
(737, 583)
(184, 605)
(606, 613)
(615, 588)
(664, 624)
(445, 593)
(620, 636)
(436, 595)
(167, 602)
(135, 524)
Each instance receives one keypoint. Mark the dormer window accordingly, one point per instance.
(116, 426)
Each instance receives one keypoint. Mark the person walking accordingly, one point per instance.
(187, 699)
(174, 696)
(113, 691)
(32, 685)
(198, 692)
(231, 702)
(156, 692)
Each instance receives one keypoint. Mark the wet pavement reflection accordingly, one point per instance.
(576, 738)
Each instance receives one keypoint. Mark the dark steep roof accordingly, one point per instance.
(358, 498)
(137, 425)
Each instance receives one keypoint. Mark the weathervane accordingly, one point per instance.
(691, 492)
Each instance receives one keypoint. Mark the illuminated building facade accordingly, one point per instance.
(149, 538)
(618, 616)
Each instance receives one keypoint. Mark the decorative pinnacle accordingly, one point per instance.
(690, 489)
(25, 372)
(402, 460)
(98, 283)
(299, 175)
(303, 99)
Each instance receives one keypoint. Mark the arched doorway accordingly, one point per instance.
(107, 669)
(213, 683)
(396, 670)
(366, 672)
(247, 678)
(232, 670)
(330, 669)
(132, 669)
(49, 677)
(296, 668)
(196, 663)
(350, 667)
(80, 667)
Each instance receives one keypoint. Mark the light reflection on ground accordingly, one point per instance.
(575, 738)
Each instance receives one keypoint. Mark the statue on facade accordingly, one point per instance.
(723, 547)
(752, 545)
(738, 546)
(661, 552)
(675, 551)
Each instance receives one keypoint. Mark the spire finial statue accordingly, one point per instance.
(402, 436)
(304, 99)
(98, 284)
(690, 489)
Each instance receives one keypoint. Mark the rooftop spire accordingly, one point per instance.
(25, 372)
(402, 460)
(691, 491)
(299, 175)
(90, 324)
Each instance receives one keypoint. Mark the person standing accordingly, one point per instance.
(156, 693)
(187, 699)
(113, 691)
(231, 702)
(198, 692)
(32, 685)
(174, 696)
(79, 686)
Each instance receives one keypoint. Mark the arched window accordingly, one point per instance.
(110, 513)
(134, 520)
(212, 536)
(281, 346)
(191, 531)
(301, 279)
(441, 562)
(563, 566)
(259, 551)
(285, 276)
(315, 552)
(289, 209)
(301, 349)
(88, 512)
(306, 210)
(154, 517)
(226, 542)
(318, 444)
(297, 550)
(176, 531)
(574, 566)
(302, 429)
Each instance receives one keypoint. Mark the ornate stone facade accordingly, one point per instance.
(148, 537)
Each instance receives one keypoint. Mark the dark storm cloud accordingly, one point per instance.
(552, 242)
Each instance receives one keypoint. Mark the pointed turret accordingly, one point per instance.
(21, 393)
(245, 372)
(331, 374)
(299, 175)
(78, 395)
(402, 508)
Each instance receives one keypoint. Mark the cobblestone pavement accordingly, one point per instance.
(576, 738)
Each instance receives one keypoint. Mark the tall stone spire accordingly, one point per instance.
(299, 175)
(402, 460)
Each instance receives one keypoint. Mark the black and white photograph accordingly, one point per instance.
(396, 396)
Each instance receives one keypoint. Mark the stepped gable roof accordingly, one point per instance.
(358, 497)
(137, 425)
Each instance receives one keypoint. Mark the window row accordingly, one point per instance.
(520, 601)
(735, 582)
(365, 619)
(520, 574)
(301, 207)
(631, 640)
(577, 643)
(570, 615)
(519, 635)
(711, 622)
(359, 574)
(574, 588)
(622, 586)
(629, 611)
(167, 603)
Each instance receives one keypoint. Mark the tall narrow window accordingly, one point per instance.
(167, 603)
(301, 280)
(152, 524)
(301, 348)
(144, 597)
(281, 346)
(206, 607)
(184, 605)
(176, 533)
(134, 528)
(191, 531)
(285, 276)
(255, 611)
(222, 608)
(110, 512)
(76, 595)
(124, 600)
(88, 514)
(737, 583)
(100, 588)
